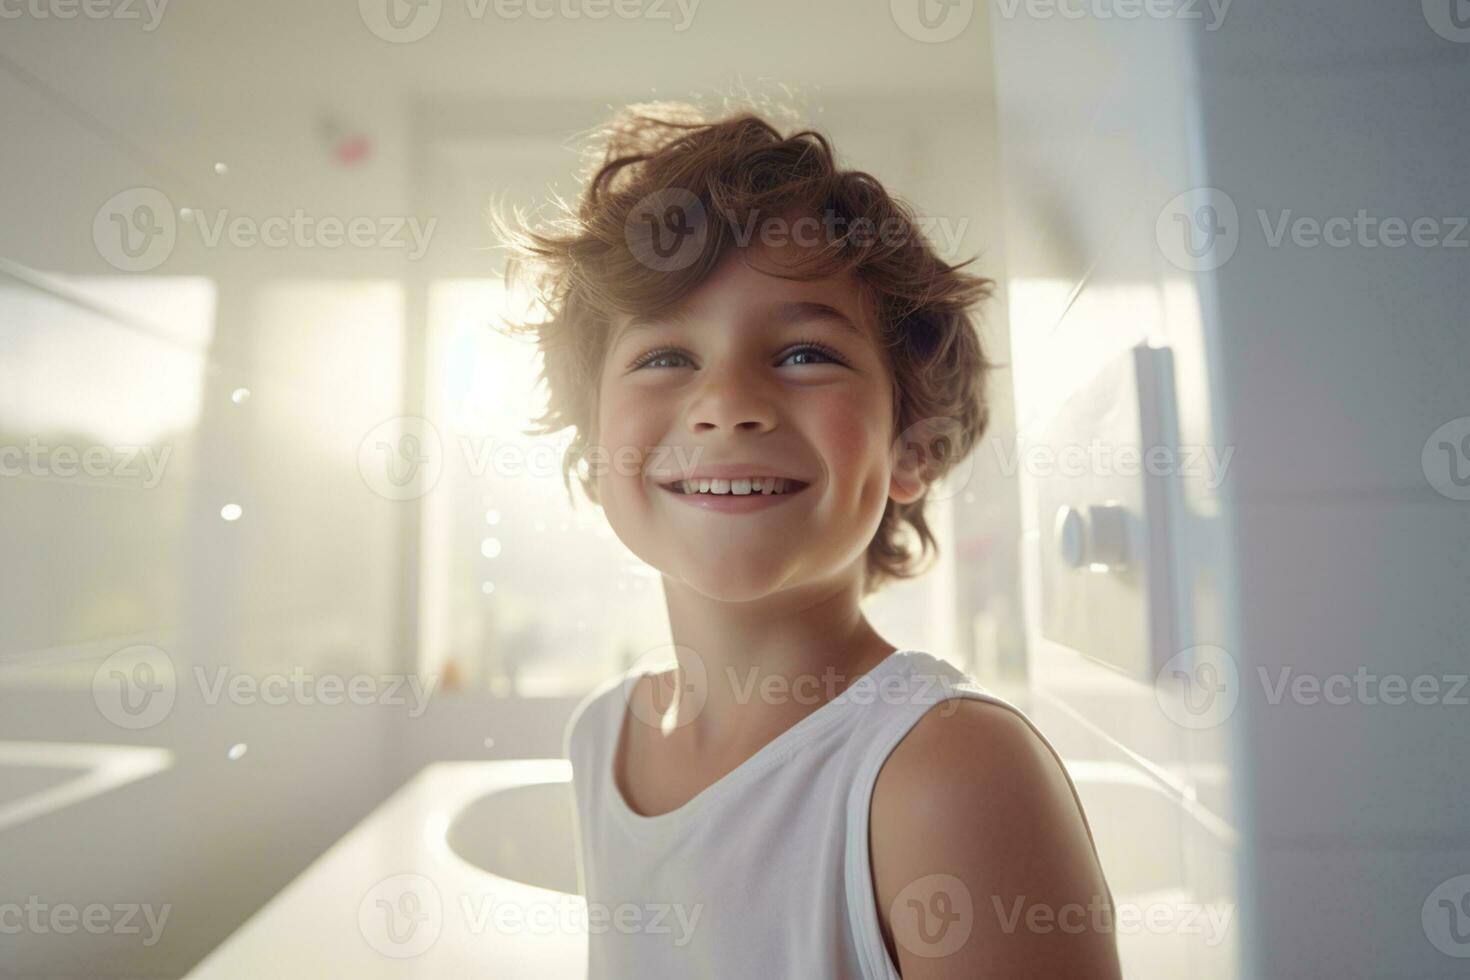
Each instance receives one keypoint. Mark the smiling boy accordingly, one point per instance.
(760, 419)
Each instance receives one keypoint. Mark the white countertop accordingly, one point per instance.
(390, 899)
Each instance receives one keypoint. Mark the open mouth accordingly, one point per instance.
(760, 486)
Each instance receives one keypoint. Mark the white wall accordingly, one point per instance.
(1338, 364)
(318, 573)
(1323, 370)
(1095, 118)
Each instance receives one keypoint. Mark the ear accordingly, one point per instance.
(906, 483)
(919, 457)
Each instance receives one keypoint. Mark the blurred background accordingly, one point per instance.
(286, 588)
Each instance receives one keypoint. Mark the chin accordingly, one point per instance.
(730, 581)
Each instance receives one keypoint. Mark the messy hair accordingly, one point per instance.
(586, 267)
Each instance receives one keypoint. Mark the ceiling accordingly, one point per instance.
(105, 104)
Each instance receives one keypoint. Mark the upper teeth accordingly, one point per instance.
(760, 484)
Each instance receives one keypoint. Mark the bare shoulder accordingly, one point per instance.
(967, 751)
(643, 695)
(983, 863)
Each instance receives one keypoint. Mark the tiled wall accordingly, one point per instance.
(1324, 370)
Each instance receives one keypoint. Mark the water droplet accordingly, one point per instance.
(186, 213)
(231, 512)
(221, 169)
(489, 742)
(492, 516)
(487, 587)
(490, 547)
(240, 396)
(236, 751)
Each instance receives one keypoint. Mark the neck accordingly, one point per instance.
(749, 668)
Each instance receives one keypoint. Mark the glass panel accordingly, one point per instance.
(98, 426)
(524, 591)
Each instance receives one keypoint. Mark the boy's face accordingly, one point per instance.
(738, 385)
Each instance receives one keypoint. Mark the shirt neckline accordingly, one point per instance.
(772, 753)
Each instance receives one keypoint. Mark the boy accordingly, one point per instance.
(766, 366)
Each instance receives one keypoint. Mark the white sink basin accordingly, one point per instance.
(525, 833)
(37, 778)
(393, 898)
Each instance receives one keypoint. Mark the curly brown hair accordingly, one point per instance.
(586, 268)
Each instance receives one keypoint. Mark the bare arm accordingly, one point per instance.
(983, 865)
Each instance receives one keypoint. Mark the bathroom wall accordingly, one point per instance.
(261, 552)
(1095, 117)
(1342, 358)
(1146, 164)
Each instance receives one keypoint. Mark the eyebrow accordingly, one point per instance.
(781, 314)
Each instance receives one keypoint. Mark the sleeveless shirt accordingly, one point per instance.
(765, 873)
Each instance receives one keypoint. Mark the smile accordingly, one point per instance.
(735, 496)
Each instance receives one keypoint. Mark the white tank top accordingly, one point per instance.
(766, 872)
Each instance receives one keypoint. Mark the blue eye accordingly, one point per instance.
(821, 350)
(801, 347)
(653, 357)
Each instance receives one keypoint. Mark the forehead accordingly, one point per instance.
(755, 285)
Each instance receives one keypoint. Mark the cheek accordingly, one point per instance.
(854, 435)
(625, 431)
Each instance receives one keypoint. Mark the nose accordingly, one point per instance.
(732, 400)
